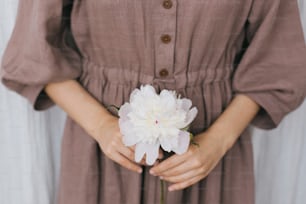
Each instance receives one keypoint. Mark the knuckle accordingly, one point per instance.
(197, 163)
(128, 166)
(168, 174)
(190, 153)
(131, 167)
(113, 143)
(174, 172)
(108, 151)
(181, 186)
(131, 155)
(177, 179)
(202, 169)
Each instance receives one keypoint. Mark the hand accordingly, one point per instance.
(192, 166)
(110, 141)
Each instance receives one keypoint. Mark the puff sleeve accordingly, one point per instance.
(272, 70)
(41, 50)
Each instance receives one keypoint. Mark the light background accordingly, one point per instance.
(30, 145)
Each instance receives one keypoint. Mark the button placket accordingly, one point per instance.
(166, 41)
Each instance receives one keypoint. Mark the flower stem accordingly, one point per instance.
(162, 192)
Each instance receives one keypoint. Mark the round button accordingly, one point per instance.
(165, 38)
(163, 73)
(167, 4)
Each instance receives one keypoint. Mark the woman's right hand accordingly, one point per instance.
(96, 120)
(109, 138)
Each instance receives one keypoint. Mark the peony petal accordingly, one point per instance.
(148, 91)
(183, 142)
(167, 100)
(186, 104)
(168, 144)
(124, 110)
(125, 126)
(140, 150)
(134, 94)
(152, 153)
(191, 116)
(129, 140)
(128, 135)
(148, 88)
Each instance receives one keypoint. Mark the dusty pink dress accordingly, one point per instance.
(207, 50)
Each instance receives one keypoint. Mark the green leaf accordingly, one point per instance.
(186, 128)
(113, 107)
(192, 140)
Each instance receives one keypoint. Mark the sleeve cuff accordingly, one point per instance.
(35, 94)
(270, 113)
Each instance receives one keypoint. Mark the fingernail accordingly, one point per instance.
(161, 177)
(139, 171)
(152, 172)
(170, 188)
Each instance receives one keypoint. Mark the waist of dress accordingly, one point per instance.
(123, 76)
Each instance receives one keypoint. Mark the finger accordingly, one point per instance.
(160, 154)
(123, 161)
(168, 163)
(156, 163)
(185, 184)
(143, 162)
(182, 168)
(183, 177)
(132, 148)
(130, 154)
(127, 152)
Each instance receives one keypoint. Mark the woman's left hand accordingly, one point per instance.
(194, 165)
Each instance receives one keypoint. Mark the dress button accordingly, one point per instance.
(163, 73)
(165, 38)
(167, 4)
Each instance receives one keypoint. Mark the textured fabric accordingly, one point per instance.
(217, 49)
(279, 155)
(29, 140)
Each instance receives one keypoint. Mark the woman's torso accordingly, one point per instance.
(189, 46)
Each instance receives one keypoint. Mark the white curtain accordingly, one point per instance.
(29, 140)
(280, 155)
(30, 146)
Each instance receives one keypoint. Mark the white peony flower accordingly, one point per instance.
(150, 120)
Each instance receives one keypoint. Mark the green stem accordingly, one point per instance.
(162, 192)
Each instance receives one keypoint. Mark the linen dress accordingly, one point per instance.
(206, 50)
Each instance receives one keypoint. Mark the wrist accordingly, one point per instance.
(99, 122)
(232, 122)
(223, 135)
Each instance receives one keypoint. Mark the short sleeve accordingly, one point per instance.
(41, 50)
(272, 70)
